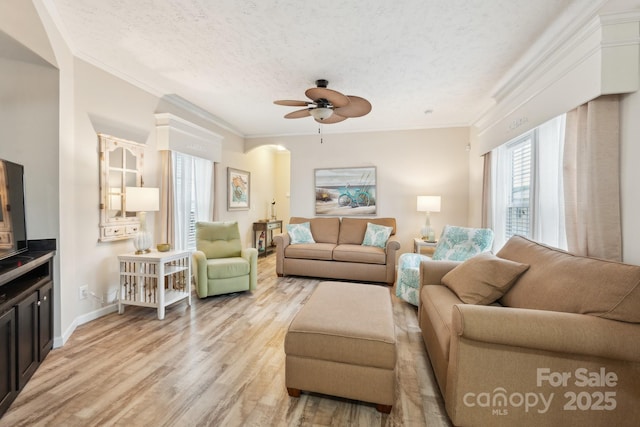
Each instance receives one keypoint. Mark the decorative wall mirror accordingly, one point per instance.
(120, 167)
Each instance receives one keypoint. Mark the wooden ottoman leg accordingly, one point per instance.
(293, 392)
(385, 409)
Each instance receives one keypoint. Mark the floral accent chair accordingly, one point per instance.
(455, 244)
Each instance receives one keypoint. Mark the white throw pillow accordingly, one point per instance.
(300, 233)
(376, 235)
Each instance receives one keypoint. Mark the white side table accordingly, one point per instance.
(419, 244)
(140, 276)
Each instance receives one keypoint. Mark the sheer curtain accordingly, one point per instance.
(500, 176)
(187, 197)
(548, 201)
(487, 213)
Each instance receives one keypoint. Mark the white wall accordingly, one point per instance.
(630, 177)
(408, 163)
(54, 136)
(29, 128)
(283, 184)
(105, 103)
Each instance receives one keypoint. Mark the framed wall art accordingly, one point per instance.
(346, 191)
(238, 189)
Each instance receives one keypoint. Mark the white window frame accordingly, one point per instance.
(546, 201)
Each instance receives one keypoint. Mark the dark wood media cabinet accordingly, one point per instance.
(26, 319)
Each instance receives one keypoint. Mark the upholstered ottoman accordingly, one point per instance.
(342, 343)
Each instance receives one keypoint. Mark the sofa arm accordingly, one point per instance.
(432, 272)
(565, 360)
(393, 244)
(200, 272)
(251, 255)
(548, 330)
(390, 250)
(281, 241)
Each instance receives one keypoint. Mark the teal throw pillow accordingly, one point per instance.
(300, 233)
(461, 243)
(376, 235)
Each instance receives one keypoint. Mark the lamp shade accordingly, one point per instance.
(142, 199)
(428, 204)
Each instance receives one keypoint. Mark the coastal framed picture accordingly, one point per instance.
(346, 191)
(238, 190)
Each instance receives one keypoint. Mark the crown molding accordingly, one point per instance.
(601, 56)
(177, 134)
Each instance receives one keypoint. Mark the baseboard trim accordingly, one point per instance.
(81, 320)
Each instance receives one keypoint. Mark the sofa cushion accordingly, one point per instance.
(322, 251)
(323, 230)
(376, 235)
(352, 230)
(483, 278)
(559, 281)
(359, 253)
(300, 233)
(461, 243)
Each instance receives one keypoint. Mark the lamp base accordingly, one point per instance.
(428, 235)
(142, 242)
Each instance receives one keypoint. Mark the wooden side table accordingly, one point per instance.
(156, 279)
(267, 228)
(419, 245)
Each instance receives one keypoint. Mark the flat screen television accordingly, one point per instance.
(13, 224)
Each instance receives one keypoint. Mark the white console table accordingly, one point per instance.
(155, 279)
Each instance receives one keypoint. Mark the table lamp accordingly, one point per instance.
(428, 204)
(142, 200)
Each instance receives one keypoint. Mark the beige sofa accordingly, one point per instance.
(338, 252)
(559, 347)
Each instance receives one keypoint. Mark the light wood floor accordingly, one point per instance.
(220, 363)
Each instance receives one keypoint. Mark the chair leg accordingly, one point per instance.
(385, 409)
(293, 392)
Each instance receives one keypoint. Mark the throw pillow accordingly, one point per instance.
(461, 243)
(376, 235)
(300, 233)
(483, 278)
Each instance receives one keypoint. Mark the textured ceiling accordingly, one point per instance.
(233, 58)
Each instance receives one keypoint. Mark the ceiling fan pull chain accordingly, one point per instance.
(320, 132)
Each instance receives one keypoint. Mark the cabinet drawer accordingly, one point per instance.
(131, 229)
(114, 231)
(273, 226)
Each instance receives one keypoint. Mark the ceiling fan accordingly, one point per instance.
(327, 106)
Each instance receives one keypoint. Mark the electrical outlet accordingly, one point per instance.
(83, 292)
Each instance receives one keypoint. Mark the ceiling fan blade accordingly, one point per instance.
(291, 103)
(334, 118)
(357, 107)
(334, 97)
(298, 114)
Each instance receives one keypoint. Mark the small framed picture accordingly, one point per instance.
(238, 189)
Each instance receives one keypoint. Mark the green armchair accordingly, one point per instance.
(220, 264)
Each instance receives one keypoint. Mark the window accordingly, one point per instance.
(527, 186)
(520, 155)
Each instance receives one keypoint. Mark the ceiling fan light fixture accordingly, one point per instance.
(321, 113)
